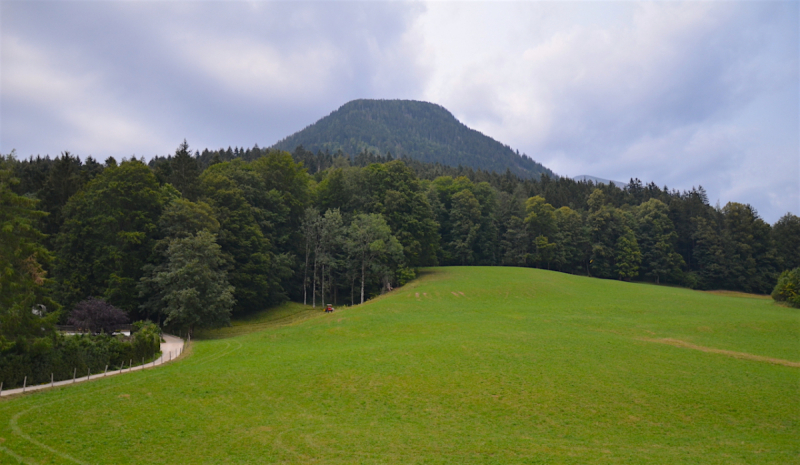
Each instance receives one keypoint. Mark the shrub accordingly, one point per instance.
(788, 288)
(146, 340)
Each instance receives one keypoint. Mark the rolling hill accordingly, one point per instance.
(419, 130)
(470, 365)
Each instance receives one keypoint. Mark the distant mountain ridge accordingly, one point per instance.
(420, 130)
(596, 180)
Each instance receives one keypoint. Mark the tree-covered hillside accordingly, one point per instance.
(190, 240)
(419, 130)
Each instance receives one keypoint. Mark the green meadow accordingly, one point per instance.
(463, 365)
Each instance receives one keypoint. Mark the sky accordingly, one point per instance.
(682, 94)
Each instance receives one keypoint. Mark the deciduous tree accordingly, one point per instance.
(108, 235)
(370, 242)
(97, 316)
(465, 217)
(22, 259)
(656, 237)
(194, 283)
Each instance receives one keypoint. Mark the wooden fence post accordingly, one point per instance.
(51, 379)
(130, 364)
(1, 388)
(74, 372)
(105, 371)
(24, 383)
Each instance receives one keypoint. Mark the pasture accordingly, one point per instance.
(463, 365)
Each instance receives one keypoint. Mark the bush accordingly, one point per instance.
(691, 280)
(62, 355)
(146, 340)
(788, 288)
(404, 275)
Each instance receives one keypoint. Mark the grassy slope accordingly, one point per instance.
(527, 366)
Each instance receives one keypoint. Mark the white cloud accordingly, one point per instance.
(655, 90)
(261, 71)
(75, 99)
(138, 77)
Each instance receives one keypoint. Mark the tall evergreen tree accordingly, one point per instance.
(184, 171)
(65, 179)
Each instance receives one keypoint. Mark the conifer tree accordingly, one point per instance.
(184, 172)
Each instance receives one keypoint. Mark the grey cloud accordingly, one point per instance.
(633, 97)
(217, 73)
(677, 93)
(677, 77)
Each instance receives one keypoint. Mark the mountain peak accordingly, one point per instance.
(420, 130)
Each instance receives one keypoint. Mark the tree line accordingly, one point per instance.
(189, 239)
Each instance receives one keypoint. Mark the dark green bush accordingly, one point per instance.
(146, 340)
(62, 355)
(788, 288)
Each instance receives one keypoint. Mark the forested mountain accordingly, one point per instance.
(407, 128)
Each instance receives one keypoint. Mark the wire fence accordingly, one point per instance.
(171, 350)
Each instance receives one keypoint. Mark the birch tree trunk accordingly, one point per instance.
(305, 276)
(363, 275)
(314, 285)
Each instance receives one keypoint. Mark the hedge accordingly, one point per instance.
(61, 354)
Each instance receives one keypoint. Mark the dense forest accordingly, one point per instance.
(189, 239)
(408, 128)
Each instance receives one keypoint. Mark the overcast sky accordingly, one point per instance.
(679, 93)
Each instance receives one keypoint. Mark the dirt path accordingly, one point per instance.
(171, 348)
(729, 353)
